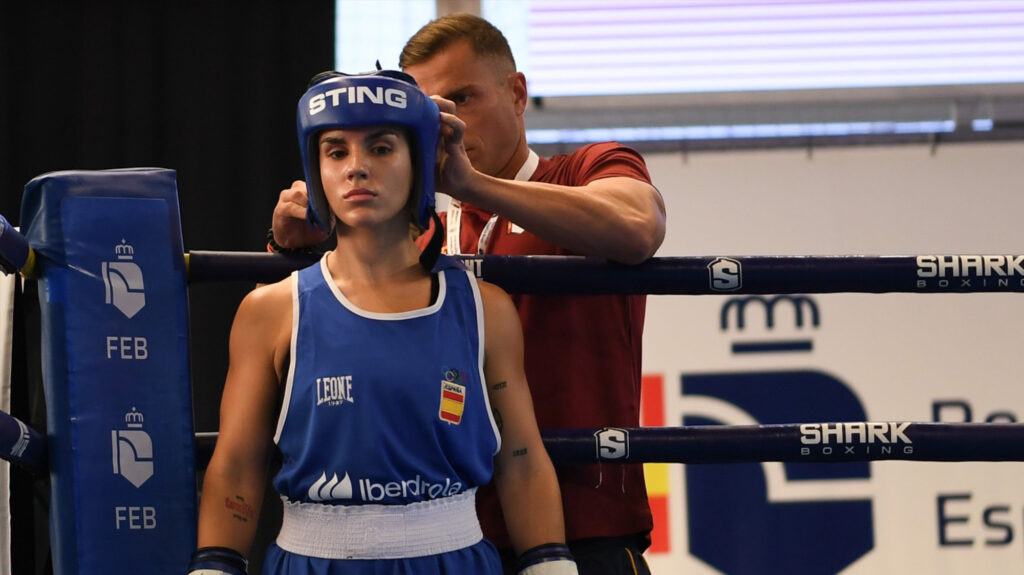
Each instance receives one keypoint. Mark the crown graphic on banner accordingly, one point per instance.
(124, 250)
(134, 418)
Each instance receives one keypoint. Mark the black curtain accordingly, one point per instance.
(207, 88)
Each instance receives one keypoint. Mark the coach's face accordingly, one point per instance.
(490, 97)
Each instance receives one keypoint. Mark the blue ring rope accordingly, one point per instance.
(847, 441)
(693, 275)
(863, 441)
(804, 442)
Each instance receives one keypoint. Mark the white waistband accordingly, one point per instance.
(380, 531)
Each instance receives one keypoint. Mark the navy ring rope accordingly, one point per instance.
(695, 275)
(808, 442)
(801, 442)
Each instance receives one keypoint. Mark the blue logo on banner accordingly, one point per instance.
(745, 520)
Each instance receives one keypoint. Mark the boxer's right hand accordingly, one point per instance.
(217, 561)
(291, 229)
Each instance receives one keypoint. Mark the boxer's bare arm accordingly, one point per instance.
(234, 483)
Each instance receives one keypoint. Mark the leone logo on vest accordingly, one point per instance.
(334, 390)
(122, 281)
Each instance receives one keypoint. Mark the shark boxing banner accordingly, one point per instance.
(116, 369)
(803, 356)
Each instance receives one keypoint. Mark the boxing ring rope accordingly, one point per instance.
(788, 443)
(695, 275)
(807, 442)
(803, 443)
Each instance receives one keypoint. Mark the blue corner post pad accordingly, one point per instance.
(115, 340)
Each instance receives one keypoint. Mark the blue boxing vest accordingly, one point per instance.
(384, 408)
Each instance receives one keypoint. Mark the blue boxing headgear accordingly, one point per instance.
(337, 100)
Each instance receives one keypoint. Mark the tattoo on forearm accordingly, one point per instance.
(239, 508)
(499, 386)
(497, 420)
(518, 452)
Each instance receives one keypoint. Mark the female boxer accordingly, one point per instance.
(391, 381)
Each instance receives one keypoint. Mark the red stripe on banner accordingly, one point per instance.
(446, 416)
(659, 535)
(453, 396)
(652, 400)
(652, 414)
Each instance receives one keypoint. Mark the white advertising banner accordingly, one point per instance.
(839, 357)
(7, 284)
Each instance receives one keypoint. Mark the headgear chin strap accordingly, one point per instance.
(337, 100)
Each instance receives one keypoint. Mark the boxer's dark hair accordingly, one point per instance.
(439, 34)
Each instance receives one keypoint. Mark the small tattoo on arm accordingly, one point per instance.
(518, 452)
(239, 508)
(499, 386)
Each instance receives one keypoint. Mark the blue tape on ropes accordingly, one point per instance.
(22, 445)
(14, 250)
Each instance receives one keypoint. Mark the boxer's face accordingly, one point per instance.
(490, 97)
(366, 174)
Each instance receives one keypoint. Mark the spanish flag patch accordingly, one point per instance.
(453, 399)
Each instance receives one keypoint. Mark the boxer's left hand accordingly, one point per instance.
(547, 559)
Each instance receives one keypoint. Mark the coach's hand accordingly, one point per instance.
(291, 229)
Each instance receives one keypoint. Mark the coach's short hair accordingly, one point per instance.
(439, 34)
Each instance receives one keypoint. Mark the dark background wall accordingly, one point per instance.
(205, 88)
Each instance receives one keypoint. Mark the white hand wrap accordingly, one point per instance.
(557, 567)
